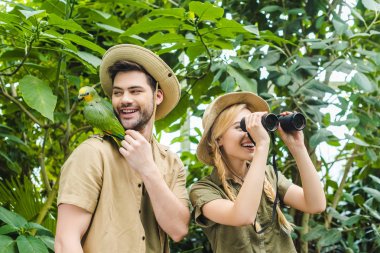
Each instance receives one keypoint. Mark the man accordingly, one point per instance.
(132, 198)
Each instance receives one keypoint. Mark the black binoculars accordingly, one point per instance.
(291, 122)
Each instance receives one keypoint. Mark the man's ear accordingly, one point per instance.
(159, 96)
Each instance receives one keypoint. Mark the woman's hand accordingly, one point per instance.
(256, 129)
(293, 139)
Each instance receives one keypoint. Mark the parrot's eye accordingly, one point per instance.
(87, 93)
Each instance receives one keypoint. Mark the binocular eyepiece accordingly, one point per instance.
(291, 122)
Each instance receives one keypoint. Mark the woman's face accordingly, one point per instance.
(235, 142)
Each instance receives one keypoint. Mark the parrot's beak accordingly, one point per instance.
(80, 98)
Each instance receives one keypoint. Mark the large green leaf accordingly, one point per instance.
(160, 38)
(49, 241)
(30, 244)
(375, 193)
(68, 24)
(159, 24)
(356, 140)
(172, 12)
(83, 42)
(38, 95)
(371, 5)
(206, 11)
(28, 14)
(7, 244)
(245, 83)
(110, 28)
(331, 237)
(363, 82)
(11, 218)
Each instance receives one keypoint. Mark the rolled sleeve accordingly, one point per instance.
(81, 178)
(200, 194)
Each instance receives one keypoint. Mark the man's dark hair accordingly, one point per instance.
(126, 66)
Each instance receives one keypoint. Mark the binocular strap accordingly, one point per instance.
(274, 209)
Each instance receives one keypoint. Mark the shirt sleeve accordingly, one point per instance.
(81, 178)
(179, 188)
(202, 193)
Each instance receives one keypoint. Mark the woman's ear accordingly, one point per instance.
(219, 141)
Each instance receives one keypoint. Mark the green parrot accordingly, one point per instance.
(99, 113)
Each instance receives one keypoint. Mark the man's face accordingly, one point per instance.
(132, 99)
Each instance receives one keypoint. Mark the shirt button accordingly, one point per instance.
(143, 238)
(139, 211)
(139, 185)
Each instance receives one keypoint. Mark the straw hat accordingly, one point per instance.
(153, 64)
(253, 102)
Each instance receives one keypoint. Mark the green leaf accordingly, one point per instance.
(155, 25)
(331, 237)
(271, 8)
(375, 193)
(29, 14)
(271, 58)
(357, 140)
(352, 220)
(9, 18)
(11, 218)
(245, 83)
(283, 80)
(172, 12)
(160, 38)
(83, 42)
(372, 211)
(243, 64)
(314, 233)
(321, 135)
(38, 95)
(87, 58)
(13, 166)
(363, 82)
(353, 121)
(7, 244)
(206, 11)
(69, 24)
(110, 28)
(29, 244)
(252, 29)
(371, 5)
(48, 241)
(6, 229)
(375, 179)
(339, 27)
(201, 87)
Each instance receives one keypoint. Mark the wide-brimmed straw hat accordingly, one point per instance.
(253, 102)
(153, 64)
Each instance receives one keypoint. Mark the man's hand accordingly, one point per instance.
(138, 152)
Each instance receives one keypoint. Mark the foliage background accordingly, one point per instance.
(286, 51)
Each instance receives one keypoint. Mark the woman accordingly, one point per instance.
(234, 204)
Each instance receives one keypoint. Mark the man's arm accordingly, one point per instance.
(171, 214)
(72, 224)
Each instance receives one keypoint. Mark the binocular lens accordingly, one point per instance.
(270, 122)
(291, 122)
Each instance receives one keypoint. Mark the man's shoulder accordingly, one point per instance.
(99, 143)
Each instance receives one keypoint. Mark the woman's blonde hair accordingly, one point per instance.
(220, 126)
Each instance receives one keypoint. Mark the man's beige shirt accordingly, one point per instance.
(97, 178)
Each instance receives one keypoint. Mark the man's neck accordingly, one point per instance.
(147, 131)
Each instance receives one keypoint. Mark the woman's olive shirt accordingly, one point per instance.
(226, 239)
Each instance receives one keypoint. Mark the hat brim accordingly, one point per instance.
(253, 102)
(153, 64)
